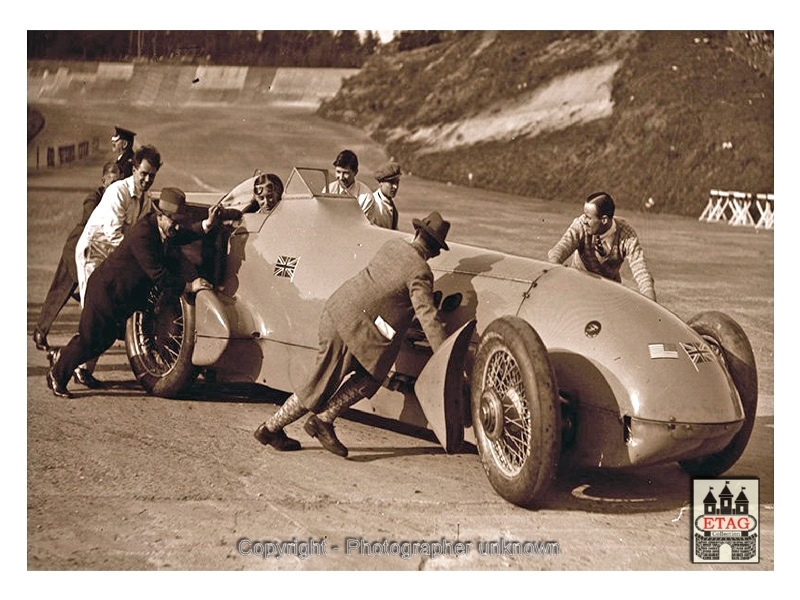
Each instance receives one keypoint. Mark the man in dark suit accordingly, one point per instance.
(65, 281)
(121, 284)
(361, 329)
(122, 143)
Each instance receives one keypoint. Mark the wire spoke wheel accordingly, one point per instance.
(515, 411)
(505, 413)
(159, 341)
(160, 337)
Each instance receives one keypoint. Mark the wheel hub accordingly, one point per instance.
(491, 414)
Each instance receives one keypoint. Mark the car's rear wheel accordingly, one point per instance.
(728, 339)
(159, 341)
(516, 411)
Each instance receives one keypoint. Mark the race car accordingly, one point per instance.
(535, 370)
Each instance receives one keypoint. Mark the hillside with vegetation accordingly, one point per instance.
(656, 118)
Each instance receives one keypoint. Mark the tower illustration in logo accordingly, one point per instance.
(725, 523)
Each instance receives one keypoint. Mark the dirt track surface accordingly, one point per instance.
(121, 481)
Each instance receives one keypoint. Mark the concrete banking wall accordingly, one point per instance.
(137, 84)
(146, 84)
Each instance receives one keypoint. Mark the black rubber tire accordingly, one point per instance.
(159, 343)
(722, 332)
(516, 412)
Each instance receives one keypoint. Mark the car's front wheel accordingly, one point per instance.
(516, 411)
(159, 342)
(729, 341)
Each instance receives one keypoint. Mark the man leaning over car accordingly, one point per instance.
(600, 242)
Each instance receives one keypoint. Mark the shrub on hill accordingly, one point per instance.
(692, 111)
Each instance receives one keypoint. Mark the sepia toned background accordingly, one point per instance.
(120, 481)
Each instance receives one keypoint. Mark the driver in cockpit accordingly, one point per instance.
(267, 192)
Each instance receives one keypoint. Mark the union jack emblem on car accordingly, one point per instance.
(285, 266)
(698, 353)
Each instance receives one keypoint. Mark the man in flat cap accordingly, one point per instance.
(361, 329)
(122, 143)
(121, 284)
(384, 210)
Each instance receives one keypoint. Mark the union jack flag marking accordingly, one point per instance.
(698, 353)
(286, 266)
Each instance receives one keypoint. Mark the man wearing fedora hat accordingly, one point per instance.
(121, 284)
(361, 329)
(384, 211)
(122, 143)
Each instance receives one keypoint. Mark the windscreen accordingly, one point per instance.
(307, 182)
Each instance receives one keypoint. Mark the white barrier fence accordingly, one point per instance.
(740, 208)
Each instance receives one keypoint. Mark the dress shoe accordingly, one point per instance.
(53, 354)
(325, 435)
(277, 439)
(40, 339)
(55, 387)
(85, 377)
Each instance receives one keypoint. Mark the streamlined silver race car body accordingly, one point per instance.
(536, 367)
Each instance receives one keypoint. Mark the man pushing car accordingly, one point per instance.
(361, 329)
(121, 284)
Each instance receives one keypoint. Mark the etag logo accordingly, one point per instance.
(725, 521)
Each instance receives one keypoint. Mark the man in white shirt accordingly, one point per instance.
(384, 211)
(346, 168)
(124, 202)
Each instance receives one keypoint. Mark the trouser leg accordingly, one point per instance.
(85, 268)
(97, 332)
(61, 289)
